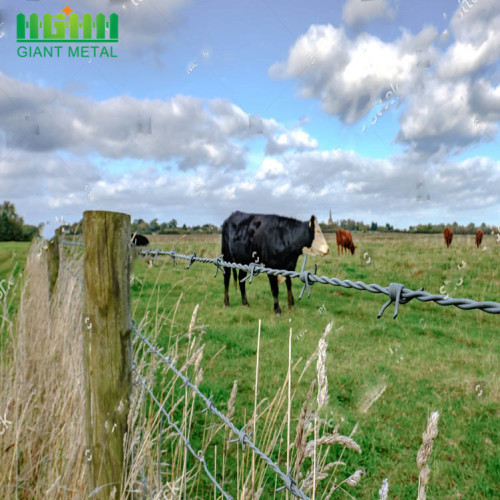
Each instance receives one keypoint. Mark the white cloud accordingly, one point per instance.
(448, 98)
(348, 76)
(185, 130)
(270, 168)
(358, 12)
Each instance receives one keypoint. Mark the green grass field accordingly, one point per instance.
(12, 262)
(431, 358)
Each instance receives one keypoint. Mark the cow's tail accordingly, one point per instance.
(235, 276)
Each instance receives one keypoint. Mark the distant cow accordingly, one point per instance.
(139, 240)
(271, 240)
(479, 238)
(344, 241)
(448, 236)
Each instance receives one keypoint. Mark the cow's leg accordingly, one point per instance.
(241, 275)
(227, 279)
(273, 281)
(291, 303)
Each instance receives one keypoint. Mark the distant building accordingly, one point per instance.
(330, 220)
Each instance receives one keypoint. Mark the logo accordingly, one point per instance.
(50, 30)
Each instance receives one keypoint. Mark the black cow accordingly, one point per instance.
(139, 240)
(270, 240)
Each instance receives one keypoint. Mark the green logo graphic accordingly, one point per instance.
(54, 28)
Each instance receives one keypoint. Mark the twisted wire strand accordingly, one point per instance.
(243, 438)
(397, 292)
(184, 438)
(71, 243)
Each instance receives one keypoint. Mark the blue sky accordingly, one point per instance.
(379, 110)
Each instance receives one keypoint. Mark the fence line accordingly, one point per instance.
(71, 243)
(397, 292)
(184, 438)
(244, 439)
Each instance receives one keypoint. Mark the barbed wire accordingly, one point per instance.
(397, 292)
(243, 438)
(183, 437)
(75, 276)
(71, 243)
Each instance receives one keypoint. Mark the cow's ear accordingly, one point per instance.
(311, 222)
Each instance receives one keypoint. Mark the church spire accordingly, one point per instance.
(330, 220)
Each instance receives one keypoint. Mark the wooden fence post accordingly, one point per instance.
(107, 348)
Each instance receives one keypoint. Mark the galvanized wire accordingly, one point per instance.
(243, 438)
(397, 292)
(183, 437)
(75, 276)
(71, 243)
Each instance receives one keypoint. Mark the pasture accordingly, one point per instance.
(431, 358)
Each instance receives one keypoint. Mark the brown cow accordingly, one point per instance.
(448, 236)
(479, 238)
(344, 240)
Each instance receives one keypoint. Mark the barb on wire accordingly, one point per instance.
(218, 265)
(254, 271)
(183, 437)
(397, 292)
(243, 438)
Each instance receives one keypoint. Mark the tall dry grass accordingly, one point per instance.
(42, 448)
(42, 451)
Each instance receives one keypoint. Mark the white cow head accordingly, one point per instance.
(319, 245)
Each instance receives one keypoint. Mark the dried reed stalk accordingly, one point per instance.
(425, 452)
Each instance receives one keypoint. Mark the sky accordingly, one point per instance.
(378, 110)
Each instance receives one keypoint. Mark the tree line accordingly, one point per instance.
(13, 228)
(429, 228)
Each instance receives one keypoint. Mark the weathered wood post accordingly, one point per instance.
(107, 348)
